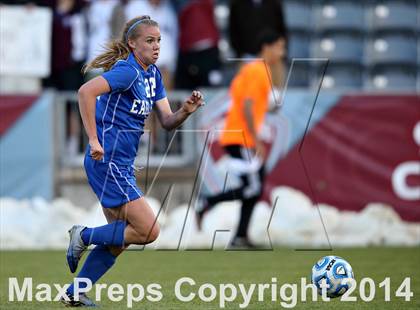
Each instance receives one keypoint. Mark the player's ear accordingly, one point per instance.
(131, 44)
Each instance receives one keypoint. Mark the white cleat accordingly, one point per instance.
(76, 247)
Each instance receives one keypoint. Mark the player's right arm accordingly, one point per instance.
(87, 105)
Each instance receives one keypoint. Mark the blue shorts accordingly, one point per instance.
(113, 185)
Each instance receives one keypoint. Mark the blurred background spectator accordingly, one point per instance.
(198, 59)
(19, 2)
(99, 17)
(246, 21)
(68, 47)
(68, 54)
(118, 18)
(369, 45)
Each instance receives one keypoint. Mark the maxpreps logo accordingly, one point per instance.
(188, 290)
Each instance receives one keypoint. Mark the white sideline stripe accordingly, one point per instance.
(126, 196)
(135, 189)
(113, 114)
(103, 124)
(109, 128)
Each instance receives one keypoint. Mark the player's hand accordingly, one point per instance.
(96, 150)
(260, 149)
(193, 102)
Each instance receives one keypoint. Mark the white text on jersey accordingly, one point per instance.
(141, 107)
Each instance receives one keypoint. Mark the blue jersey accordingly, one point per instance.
(121, 113)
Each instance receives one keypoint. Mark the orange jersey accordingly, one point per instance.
(253, 82)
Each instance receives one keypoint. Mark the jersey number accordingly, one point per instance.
(150, 87)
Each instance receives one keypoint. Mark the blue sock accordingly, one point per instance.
(99, 261)
(110, 234)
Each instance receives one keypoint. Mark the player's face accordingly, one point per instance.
(276, 51)
(147, 45)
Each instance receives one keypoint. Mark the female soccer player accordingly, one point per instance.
(114, 107)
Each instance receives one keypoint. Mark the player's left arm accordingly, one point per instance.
(171, 120)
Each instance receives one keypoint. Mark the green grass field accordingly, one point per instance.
(165, 268)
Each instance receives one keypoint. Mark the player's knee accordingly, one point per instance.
(149, 235)
(154, 233)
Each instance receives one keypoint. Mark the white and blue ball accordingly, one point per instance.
(333, 270)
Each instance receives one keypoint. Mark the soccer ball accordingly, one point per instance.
(333, 270)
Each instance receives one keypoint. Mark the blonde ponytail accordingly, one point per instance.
(114, 51)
